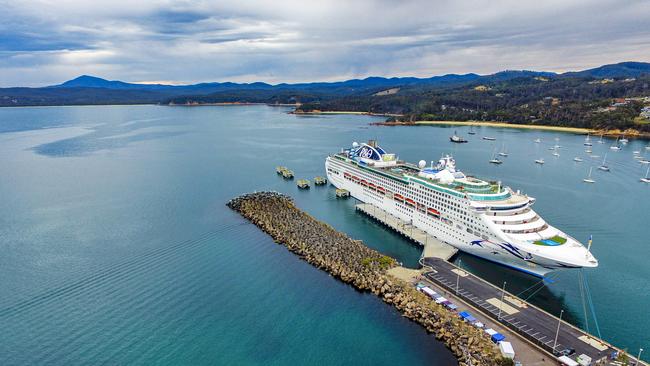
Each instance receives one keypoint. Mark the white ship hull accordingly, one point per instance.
(497, 248)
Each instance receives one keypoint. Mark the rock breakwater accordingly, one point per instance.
(366, 269)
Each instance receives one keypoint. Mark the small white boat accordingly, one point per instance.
(588, 179)
(556, 153)
(577, 159)
(646, 179)
(615, 147)
(503, 151)
(594, 156)
(604, 166)
(538, 140)
(539, 161)
(601, 140)
(494, 159)
(489, 138)
(588, 151)
(644, 161)
(457, 139)
(624, 140)
(587, 141)
(647, 147)
(636, 152)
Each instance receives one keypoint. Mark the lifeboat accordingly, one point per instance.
(364, 183)
(410, 202)
(347, 175)
(398, 197)
(371, 185)
(381, 190)
(356, 179)
(433, 212)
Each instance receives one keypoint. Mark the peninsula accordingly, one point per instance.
(365, 269)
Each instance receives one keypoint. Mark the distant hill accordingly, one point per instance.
(87, 81)
(88, 89)
(619, 70)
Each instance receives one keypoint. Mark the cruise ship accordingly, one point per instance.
(482, 218)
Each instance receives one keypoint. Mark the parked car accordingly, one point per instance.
(567, 352)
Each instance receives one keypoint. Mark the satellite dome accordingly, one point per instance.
(355, 144)
(422, 164)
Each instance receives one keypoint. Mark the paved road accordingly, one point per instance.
(530, 322)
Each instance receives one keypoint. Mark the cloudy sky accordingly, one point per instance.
(48, 41)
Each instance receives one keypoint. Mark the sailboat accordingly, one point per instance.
(588, 179)
(555, 152)
(577, 159)
(503, 151)
(646, 179)
(624, 140)
(601, 139)
(615, 147)
(539, 161)
(457, 139)
(538, 140)
(494, 159)
(471, 131)
(604, 166)
(587, 141)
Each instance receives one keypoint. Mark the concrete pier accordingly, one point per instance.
(433, 248)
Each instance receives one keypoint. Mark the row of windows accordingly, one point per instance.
(451, 206)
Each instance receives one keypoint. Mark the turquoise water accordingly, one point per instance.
(118, 248)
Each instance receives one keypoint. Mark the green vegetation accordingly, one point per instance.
(384, 262)
(505, 362)
(561, 101)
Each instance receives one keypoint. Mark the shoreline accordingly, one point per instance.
(316, 112)
(630, 133)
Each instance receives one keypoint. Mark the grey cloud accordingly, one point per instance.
(297, 41)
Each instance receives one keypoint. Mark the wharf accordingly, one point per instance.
(433, 248)
(526, 320)
(530, 323)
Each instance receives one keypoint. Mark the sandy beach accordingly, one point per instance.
(509, 125)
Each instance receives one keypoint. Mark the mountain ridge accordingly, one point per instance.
(92, 90)
(621, 69)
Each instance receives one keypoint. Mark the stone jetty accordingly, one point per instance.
(366, 269)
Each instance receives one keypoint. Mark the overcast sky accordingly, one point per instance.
(49, 41)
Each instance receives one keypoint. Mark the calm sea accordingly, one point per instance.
(117, 246)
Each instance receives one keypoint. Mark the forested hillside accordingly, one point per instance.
(565, 101)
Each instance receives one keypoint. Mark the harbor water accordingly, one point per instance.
(118, 247)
